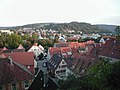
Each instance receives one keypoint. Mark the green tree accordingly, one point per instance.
(117, 29)
(114, 77)
(13, 40)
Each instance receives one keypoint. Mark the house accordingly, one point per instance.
(72, 38)
(59, 66)
(81, 64)
(20, 47)
(105, 38)
(3, 49)
(52, 51)
(111, 50)
(62, 44)
(14, 76)
(23, 58)
(6, 32)
(37, 50)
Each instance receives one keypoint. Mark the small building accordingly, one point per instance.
(60, 66)
(24, 58)
(37, 50)
(111, 50)
(14, 76)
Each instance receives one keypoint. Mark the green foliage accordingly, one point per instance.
(10, 41)
(46, 43)
(117, 29)
(114, 77)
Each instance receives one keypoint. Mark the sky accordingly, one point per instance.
(21, 12)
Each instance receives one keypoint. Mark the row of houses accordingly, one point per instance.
(75, 58)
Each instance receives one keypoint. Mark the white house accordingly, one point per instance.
(36, 49)
(60, 66)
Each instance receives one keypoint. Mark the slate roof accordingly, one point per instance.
(11, 72)
(42, 80)
(54, 62)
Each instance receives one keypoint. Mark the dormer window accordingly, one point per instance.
(62, 62)
(26, 85)
(14, 87)
(28, 67)
(55, 65)
(83, 70)
(63, 53)
(112, 53)
(69, 53)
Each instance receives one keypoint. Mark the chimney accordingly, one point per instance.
(10, 58)
(95, 44)
(100, 44)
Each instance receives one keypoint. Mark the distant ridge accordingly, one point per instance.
(76, 26)
(110, 28)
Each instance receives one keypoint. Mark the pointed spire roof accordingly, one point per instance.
(4, 48)
(20, 47)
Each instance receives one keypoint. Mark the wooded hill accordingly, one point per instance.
(62, 27)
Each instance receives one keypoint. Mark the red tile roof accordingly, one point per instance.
(73, 38)
(53, 50)
(73, 44)
(65, 49)
(62, 44)
(11, 72)
(3, 55)
(111, 49)
(24, 58)
(90, 42)
(2, 49)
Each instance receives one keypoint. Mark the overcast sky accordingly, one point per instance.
(20, 12)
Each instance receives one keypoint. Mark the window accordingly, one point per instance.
(62, 62)
(63, 66)
(69, 53)
(0, 87)
(14, 87)
(26, 85)
(57, 71)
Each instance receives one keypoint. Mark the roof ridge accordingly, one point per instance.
(23, 67)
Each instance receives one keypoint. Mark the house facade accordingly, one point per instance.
(37, 50)
(60, 66)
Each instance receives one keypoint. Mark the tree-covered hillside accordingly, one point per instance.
(84, 27)
(62, 27)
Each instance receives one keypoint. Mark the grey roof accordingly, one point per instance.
(54, 62)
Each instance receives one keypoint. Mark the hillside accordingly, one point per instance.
(62, 27)
(84, 27)
(110, 28)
